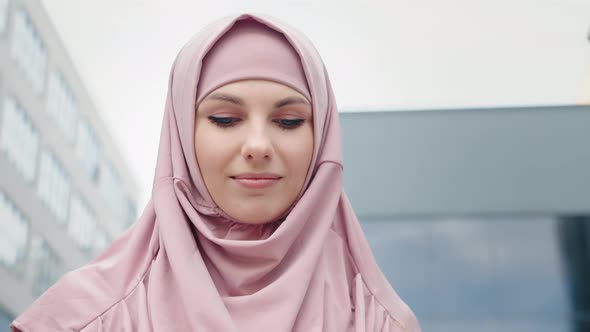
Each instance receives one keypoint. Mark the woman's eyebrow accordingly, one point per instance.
(291, 100)
(226, 97)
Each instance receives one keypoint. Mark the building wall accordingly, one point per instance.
(65, 192)
(531, 160)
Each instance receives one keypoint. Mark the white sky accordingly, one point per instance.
(381, 55)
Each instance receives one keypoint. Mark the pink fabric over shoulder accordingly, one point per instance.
(183, 266)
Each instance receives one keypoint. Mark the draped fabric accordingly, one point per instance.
(187, 266)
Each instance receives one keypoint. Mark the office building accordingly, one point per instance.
(65, 192)
(480, 218)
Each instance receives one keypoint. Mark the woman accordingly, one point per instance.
(247, 228)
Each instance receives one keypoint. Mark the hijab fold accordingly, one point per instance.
(187, 266)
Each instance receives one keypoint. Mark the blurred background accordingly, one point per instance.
(465, 124)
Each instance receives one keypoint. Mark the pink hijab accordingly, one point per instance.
(184, 266)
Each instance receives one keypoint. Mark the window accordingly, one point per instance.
(13, 233)
(100, 241)
(3, 14)
(82, 224)
(87, 149)
(112, 191)
(61, 104)
(53, 186)
(28, 51)
(45, 263)
(18, 139)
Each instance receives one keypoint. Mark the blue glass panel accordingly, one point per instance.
(479, 274)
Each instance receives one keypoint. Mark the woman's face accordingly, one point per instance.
(254, 145)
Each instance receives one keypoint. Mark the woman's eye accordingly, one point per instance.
(223, 121)
(289, 123)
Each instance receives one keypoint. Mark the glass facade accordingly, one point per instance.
(100, 240)
(53, 186)
(112, 191)
(14, 230)
(574, 239)
(82, 223)
(61, 104)
(50, 146)
(484, 274)
(87, 149)
(28, 50)
(19, 139)
(46, 265)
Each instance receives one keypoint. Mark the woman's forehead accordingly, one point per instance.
(271, 95)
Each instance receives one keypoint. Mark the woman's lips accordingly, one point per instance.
(256, 181)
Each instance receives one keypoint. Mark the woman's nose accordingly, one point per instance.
(257, 146)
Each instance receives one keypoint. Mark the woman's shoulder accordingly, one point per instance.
(82, 300)
(78, 300)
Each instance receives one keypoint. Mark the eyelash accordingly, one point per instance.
(226, 122)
